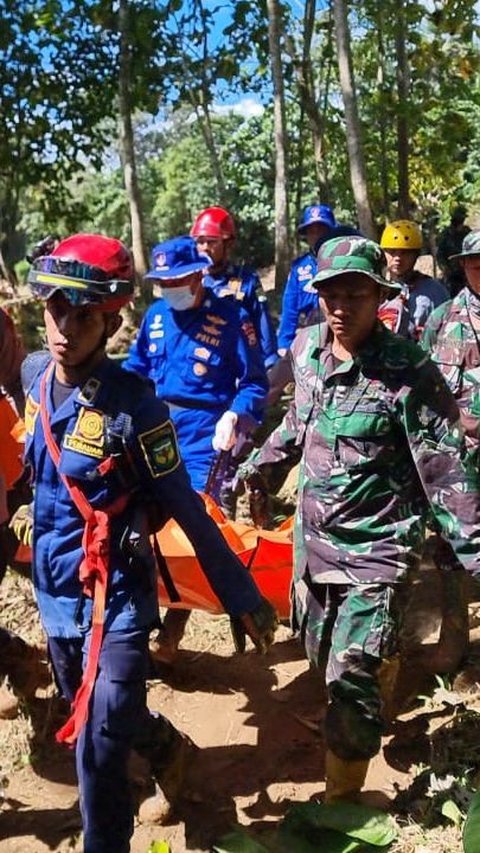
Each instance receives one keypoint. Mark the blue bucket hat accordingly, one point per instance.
(177, 258)
(316, 213)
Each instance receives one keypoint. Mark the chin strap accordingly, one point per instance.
(93, 570)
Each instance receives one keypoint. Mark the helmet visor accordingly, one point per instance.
(81, 283)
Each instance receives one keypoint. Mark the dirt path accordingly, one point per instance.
(258, 724)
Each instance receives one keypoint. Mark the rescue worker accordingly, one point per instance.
(378, 434)
(192, 345)
(316, 222)
(402, 243)
(449, 247)
(104, 459)
(214, 233)
(452, 338)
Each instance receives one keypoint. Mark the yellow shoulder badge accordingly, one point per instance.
(31, 411)
(160, 449)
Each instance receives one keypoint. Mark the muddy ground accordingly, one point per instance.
(258, 724)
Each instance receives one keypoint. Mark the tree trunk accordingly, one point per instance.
(402, 118)
(203, 116)
(282, 242)
(382, 117)
(306, 90)
(358, 173)
(127, 148)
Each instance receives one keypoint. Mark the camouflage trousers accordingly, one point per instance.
(351, 630)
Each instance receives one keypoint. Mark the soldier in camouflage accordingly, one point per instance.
(451, 337)
(378, 434)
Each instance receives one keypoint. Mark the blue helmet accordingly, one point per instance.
(316, 213)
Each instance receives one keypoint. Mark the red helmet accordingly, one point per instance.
(89, 269)
(214, 222)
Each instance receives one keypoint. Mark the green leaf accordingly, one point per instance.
(238, 841)
(159, 847)
(471, 830)
(295, 834)
(451, 811)
(360, 822)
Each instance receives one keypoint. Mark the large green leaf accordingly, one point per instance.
(238, 841)
(471, 830)
(359, 822)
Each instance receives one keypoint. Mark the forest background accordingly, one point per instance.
(128, 117)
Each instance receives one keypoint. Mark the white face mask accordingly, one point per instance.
(179, 298)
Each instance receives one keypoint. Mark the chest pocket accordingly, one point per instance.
(364, 433)
(156, 356)
(97, 477)
(450, 360)
(205, 370)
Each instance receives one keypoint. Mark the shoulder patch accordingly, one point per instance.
(32, 409)
(160, 449)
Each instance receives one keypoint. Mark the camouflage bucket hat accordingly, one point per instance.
(345, 255)
(470, 245)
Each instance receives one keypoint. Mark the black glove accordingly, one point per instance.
(260, 625)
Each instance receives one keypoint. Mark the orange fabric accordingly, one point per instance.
(11, 443)
(268, 554)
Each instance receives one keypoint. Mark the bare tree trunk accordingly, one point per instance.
(127, 148)
(282, 242)
(382, 117)
(306, 90)
(358, 173)
(402, 119)
(204, 119)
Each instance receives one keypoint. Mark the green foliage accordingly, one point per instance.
(471, 830)
(310, 827)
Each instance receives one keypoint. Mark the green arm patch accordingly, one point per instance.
(160, 449)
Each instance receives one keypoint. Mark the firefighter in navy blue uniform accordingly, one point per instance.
(102, 449)
(317, 221)
(214, 233)
(192, 345)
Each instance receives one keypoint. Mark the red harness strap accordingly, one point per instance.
(93, 573)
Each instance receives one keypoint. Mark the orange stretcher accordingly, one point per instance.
(268, 555)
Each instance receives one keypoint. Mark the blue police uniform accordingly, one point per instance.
(116, 442)
(244, 284)
(297, 303)
(202, 364)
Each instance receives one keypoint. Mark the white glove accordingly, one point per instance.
(225, 432)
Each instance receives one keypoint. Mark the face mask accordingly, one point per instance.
(179, 298)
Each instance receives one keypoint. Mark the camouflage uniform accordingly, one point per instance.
(380, 434)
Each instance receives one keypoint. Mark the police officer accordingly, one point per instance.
(214, 233)
(103, 450)
(316, 222)
(379, 437)
(193, 346)
(402, 243)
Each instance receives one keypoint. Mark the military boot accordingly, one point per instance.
(343, 779)
(164, 646)
(25, 665)
(169, 753)
(9, 703)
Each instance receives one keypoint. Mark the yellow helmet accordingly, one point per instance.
(402, 234)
